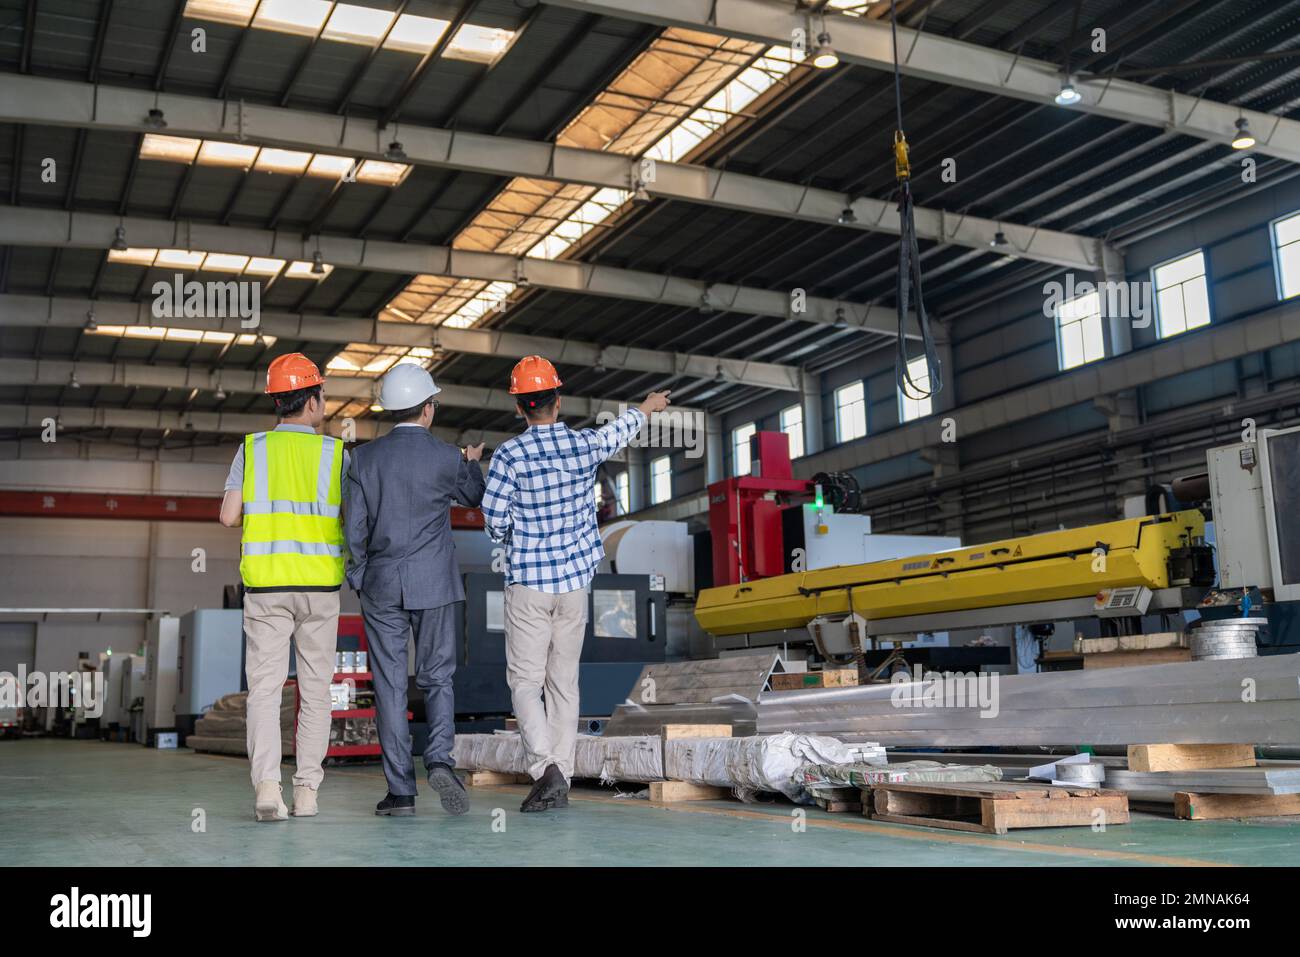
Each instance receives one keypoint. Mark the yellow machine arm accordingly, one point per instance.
(1074, 563)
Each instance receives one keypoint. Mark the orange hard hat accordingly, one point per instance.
(533, 374)
(290, 372)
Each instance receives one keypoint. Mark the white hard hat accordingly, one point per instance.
(405, 386)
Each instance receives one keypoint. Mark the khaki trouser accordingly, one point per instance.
(543, 644)
(271, 620)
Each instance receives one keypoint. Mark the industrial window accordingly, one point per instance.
(1078, 331)
(1182, 297)
(850, 412)
(1286, 250)
(623, 492)
(740, 448)
(661, 479)
(915, 406)
(792, 425)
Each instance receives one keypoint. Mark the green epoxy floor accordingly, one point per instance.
(120, 804)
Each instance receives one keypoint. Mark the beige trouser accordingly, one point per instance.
(543, 644)
(271, 620)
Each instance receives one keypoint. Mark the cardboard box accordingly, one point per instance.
(788, 682)
(828, 678)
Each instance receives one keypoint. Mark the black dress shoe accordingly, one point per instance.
(550, 786)
(396, 805)
(451, 791)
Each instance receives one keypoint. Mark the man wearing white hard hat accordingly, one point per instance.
(402, 564)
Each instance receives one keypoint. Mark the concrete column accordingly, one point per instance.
(1118, 328)
(946, 461)
(811, 400)
(947, 398)
(636, 478)
(715, 450)
(1122, 411)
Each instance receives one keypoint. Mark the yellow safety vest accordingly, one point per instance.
(293, 493)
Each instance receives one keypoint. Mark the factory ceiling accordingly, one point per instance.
(714, 109)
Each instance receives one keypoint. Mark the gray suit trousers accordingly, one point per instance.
(388, 630)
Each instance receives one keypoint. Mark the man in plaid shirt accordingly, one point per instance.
(540, 502)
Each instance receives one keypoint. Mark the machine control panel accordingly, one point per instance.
(1122, 602)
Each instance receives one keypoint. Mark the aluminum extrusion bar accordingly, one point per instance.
(1181, 703)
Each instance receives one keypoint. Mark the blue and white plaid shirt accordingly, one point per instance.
(541, 501)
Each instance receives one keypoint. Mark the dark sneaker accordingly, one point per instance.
(546, 789)
(396, 805)
(451, 791)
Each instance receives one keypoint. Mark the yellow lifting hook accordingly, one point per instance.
(902, 167)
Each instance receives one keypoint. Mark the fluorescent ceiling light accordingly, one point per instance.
(187, 259)
(225, 262)
(136, 257)
(178, 259)
(216, 153)
(173, 149)
(189, 335)
(353, 24)
(269, 159)
(326, 164)
(413, 34)
(851, 8)
(381, 173)
(235, 12)
(262, 266)
(165, 332)
(478, 44)
(303, 17)
(302, 270)
(272, 160)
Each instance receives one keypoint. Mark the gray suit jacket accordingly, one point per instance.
(400, 490)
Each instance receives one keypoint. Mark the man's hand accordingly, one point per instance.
(474, 452)
(655, 402)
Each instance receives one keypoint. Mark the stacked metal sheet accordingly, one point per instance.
(698, 682)
(1239, 701)
(634, 719)
(1268, 778)
(1263, 779)
(1225, 638)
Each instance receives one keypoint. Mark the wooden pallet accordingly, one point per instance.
(1211, 807)
(996, 807)
(487, 779)
(1129, 659)
(840, 800)
(672, 792)
(1189, 757)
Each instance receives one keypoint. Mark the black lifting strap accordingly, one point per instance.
(909, 258)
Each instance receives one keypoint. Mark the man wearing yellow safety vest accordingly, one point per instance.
(286, 488)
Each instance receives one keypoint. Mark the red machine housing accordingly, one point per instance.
(745, 512)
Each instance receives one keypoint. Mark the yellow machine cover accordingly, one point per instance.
(1073, 563)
